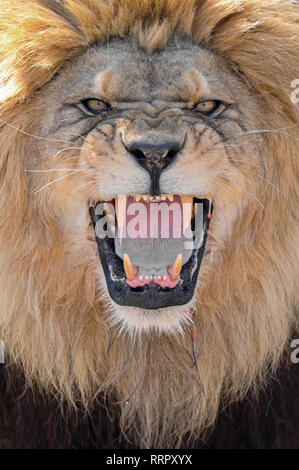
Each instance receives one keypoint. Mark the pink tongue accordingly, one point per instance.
(150, 219)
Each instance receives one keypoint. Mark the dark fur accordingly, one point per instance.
(30, 421)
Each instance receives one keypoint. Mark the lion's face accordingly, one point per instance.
(161, 132)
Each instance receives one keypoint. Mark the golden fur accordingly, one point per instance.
(50, 318)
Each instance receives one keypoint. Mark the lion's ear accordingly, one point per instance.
(58, 7)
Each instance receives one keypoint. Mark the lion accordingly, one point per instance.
(110, 103)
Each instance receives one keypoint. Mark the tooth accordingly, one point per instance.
(164, 198)
(106, 207)
(165, 278)
(186, 199)
(187, 203)
(170, 197)
(140, 278)
(110, 218)
(121, 208)
(138, 198)
(130, 270)
(111, 223)
(147, 278)
(175, 269)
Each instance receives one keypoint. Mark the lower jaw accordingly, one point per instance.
(151, 296)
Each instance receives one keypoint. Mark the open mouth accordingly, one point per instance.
(151, 247)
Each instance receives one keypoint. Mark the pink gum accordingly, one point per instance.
(137, 283)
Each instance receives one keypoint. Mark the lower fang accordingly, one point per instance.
(175, 269)
(130, 270)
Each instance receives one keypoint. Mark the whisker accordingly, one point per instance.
(54, 169)
(92, 69)
(78, 135)
(249, 192)
(264, 131)
(70, 158)
(32, 135)
(52, 182)
(67, 148)
(257, 174)
(215, 149)
(269, 182)
(234, 146)
(83, 185)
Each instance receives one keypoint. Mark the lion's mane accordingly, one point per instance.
(50, 320)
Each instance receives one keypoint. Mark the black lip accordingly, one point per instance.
(150, 297)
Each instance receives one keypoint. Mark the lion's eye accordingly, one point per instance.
(207, 107)
(94, 106)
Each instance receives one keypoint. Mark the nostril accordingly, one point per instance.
(171, 153)
(138, 154)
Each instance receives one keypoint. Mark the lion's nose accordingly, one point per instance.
(154, 158)
(159, 154)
